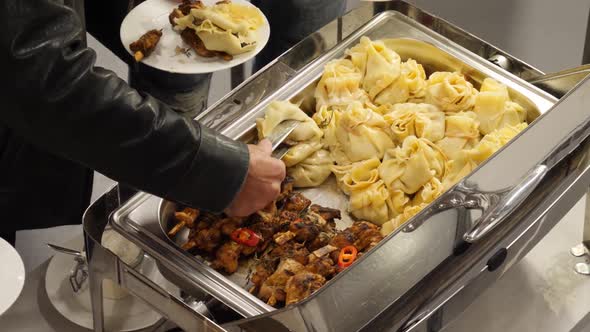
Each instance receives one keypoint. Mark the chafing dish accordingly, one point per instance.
(426, 272)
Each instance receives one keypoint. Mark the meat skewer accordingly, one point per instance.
(145, 45)
(186, 218)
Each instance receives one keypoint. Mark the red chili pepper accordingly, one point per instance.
(347, 255)
(246, 237)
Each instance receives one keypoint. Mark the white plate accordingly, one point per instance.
(126, 314)
(153, 14)
(12, 275)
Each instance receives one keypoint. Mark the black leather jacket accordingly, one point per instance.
(58, 112)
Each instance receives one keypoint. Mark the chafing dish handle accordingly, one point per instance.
(508, 201)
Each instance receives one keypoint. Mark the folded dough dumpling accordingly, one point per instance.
(429, 192)
(279, 111)
(494, 108)
(420, 120)
(493, 141)
(357, 176)
(340, 85)
(459, 168)
(461, 132)
(371, 203)
(398, 201)
(462, 125)
(451, 92)
(414, 74)
(233, 17)
(396, 92)
(217, 39)
(411, 84)
(379, 65)
(362, 133)
(326, 118)
(312, 171)
(412, 165)
(409, 211)
(301, 151)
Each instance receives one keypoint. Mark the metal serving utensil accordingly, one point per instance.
(67, 251)
(79, 272)
(279, 134)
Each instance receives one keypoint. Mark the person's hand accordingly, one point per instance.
(263, 182)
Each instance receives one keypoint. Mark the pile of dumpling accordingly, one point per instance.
(394, 139)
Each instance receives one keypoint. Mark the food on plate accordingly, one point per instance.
(293, 245)
(145, 45)
(394, 140)
(225, 29)
(197, 45)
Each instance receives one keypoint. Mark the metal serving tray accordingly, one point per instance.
(328, 194)
(405, 257)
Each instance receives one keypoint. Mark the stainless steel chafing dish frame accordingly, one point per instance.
(375, 310)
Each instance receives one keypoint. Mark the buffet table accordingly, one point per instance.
(540, 293)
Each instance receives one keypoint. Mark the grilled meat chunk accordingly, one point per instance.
(226, 257)
(341, 240)
(176, 13)
(368, 238)
(305, 230)
(185, 218)
(328, 214)
(190, 37)
(302, 285)
(186, 6)
(266, 230)
(267, 214)
(283, 237)
(285, 219)
(264, 269)
(296, 202)
(145, 45)
(320, 241)
(272, 290)
(291, 250)
(228, 225)
(206, 239)
(286, 189)
(323, 266)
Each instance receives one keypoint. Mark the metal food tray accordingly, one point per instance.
(136, 219)
(425, 273)
(328, 194)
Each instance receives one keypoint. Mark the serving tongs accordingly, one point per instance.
(278, 136)
(79, 272)
(561, 82)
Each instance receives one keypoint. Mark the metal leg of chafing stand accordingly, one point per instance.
(583, 249)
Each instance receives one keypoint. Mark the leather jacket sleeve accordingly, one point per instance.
(54, 97)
